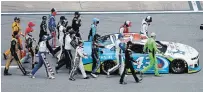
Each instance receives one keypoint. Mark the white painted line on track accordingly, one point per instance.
(139, 12)
(194, 5)
(9, 66)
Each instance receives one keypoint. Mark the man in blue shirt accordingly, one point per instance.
(52, 26)
(93, 29)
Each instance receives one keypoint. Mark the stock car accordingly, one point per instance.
(177, 58)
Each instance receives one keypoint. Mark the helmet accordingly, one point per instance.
(148, 19)
(62, 18)
(16, 18)
(77, 13)
(95, 20)
(153, 35)
(44, 17)
(53, 10)
(120, 36)
(31, 24)
(63, 23)
(128, 23)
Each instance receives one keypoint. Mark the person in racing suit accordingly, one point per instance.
(128, 64)
(14, 55)
(79, 54)
(95, 55)
(42, 59)
(62, 18)
(52, 26)
(76, 23)
(152, 49)
(67, 50)
(15, 27)
(93, 29)
(62, 30)
(43, 31)
(145, 24)
(29, 44)
(120, 48)
(125, 27)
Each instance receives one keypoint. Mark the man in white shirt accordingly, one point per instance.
(145, 24)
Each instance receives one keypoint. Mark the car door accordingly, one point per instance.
(144, 61)
(107, 53)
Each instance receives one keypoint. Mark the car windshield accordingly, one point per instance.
(138, 48)
(105, 40)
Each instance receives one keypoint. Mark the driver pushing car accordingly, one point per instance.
(119, 49)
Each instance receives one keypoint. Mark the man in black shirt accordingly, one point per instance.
(43, 31)
(128, 64)
(76, 23)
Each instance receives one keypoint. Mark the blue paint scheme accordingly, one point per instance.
(109, 54)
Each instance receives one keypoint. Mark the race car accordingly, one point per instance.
(177, 58)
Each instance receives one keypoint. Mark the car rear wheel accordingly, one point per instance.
(178, 66)
(106, 65)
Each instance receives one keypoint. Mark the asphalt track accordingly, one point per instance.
(183, 28)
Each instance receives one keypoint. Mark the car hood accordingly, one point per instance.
(179, 49)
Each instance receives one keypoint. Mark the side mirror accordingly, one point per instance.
(201, 27)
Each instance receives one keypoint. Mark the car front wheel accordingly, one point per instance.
(106, 65)
(178, 66)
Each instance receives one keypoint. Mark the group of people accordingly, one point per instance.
(69, 38)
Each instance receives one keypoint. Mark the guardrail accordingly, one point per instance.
(95, 12)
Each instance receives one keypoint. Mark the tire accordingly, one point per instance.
(201, 27)
(178, 66)
(107, 65)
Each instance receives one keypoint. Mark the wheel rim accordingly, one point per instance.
(107, 65)
(178, 66)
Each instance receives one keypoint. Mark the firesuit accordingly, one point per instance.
(120, 48)
(43, 31)
(95, 55)
(152, 49)
(29, 43)
(15, 27)
(42, 59)
(128, 64)
(125, 28)
(79, 54)
(145, 24)
(93, 29)
(76, 23)
(62, 30)
(14, 55)
(67, 51)
(52, 27)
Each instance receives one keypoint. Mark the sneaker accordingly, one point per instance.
(139, 80)
(36, 55)
(94, 75)
(72, 79)
(7, 74)
(108, 74)
(4, 56)
(32, 77)
(56, 70)
(86, 78)
(123, 83)
(51, 77)
(158, 75)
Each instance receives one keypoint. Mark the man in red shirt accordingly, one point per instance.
(125, 28)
